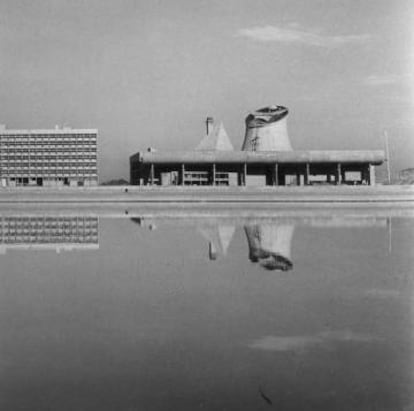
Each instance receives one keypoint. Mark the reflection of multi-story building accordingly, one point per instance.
(269, 239)
(59, 233)
(219, 238)
(48, 157)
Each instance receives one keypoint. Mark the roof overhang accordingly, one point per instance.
(376, 157)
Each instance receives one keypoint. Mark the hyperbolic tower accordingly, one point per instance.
(266, 130)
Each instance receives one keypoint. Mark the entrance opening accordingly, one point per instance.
(66, 181)
(39, 181)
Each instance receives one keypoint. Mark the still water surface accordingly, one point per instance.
(206, 313)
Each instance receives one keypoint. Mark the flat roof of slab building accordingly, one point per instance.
(64, 130)
(375, 157)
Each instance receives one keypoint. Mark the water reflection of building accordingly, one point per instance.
(270, 245)
(269, 238)
(219, 238)
(218, 235)
(49, 232)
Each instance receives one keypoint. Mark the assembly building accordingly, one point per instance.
(266, 158)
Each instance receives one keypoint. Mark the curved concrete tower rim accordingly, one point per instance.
(266, 116)
(266, 130)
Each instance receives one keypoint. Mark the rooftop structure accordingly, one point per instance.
(266, 130)
(55, 157)
(216, 139)
(266, 158)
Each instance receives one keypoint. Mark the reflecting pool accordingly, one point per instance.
(287, 310)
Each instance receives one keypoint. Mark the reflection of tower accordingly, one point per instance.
(219, 238)
(266, 130)
(49, 232)
(270, 245)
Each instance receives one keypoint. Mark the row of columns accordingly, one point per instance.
(367, 174)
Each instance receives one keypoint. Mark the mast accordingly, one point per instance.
(388, 159)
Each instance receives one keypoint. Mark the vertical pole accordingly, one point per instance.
(244, 173)
(389, 223)
(182, 174)
(213, 174)
(338, 174)
(388, 159)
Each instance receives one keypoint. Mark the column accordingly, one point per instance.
(213, 174)
(152, 172)
(276, 171)
(338, 174)
(182, 174)
(371, 181)
(307, 172)
(244, 173)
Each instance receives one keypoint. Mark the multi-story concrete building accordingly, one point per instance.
(57, 157)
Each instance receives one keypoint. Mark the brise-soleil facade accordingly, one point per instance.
(53, 157)
(266, 158)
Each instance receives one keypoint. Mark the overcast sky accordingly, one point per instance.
(147, 73)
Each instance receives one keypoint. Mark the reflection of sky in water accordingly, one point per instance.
(146, 321)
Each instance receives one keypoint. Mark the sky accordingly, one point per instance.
(147, 73)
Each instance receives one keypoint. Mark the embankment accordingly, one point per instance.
(285, 195)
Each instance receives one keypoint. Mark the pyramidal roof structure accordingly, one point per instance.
(217, 139)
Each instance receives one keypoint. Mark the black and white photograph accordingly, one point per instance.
(206, 205)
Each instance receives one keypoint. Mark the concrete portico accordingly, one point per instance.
(235, 168)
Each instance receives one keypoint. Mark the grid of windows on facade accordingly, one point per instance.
(29, 231)
(48, 157)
